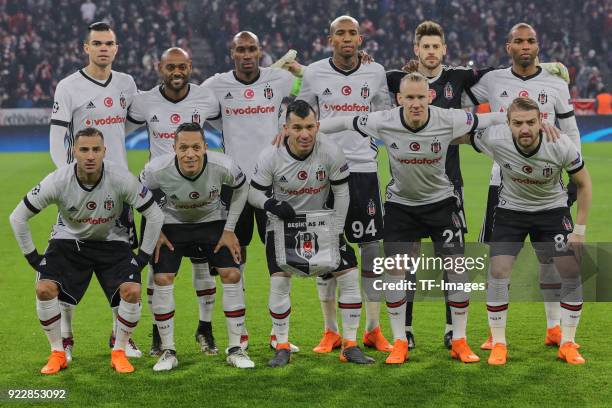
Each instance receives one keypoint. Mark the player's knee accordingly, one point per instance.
(130, 292)
(46, 290)
(164, 279)
(229, 275)
(500, 271)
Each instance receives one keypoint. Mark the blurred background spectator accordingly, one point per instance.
(41, 41)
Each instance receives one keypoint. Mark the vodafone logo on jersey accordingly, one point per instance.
(424, 160)
(164, 135)
(249, 110)
(175, 118)
(346, 107)
(529, 181)
(249, 93)
(109, 120)
(346, 90)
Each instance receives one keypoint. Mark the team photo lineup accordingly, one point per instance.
(299, 172)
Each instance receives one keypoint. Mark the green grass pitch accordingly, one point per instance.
(533, 375)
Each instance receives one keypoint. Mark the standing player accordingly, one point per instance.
(342, 86)
(499, 87)
(533, 201)
(162, 109)
(301, 174)
(87, 238)
(250, 97)
(196, 225)
(94, 96)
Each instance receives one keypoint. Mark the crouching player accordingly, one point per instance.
(301, 174)
(88, 237)
(533, 201)
(197, 225)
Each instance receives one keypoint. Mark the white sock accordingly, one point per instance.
(327, 295)
(349, 302)
(373, 297)
(127, 319)
(497, 307)
(234, 309)
(396, 306)
(459, 302)
(550, 288)
(163, 311)
(50, 316)
(150, 290)
(115, 311)
(243, 330)
(571, 308)
(279, 304)
(206, 289)
(66, 321)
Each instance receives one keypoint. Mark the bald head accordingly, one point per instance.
(244, 36)
(341, 19)
(175, 52)
(175, 69)
(519, 27)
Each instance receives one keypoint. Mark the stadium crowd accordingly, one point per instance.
(40, 41)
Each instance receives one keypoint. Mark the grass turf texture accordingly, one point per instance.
(532, 376)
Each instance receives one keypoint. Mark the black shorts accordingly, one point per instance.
(71, 264)
(348, 260)
(459, 193)
(245, 225)
(160, 199)
(364, 219)
(193, 241)
(547, 230)
(487, 224)
(440, 221)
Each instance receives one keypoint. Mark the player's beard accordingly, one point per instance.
(525, 62)
(176, 88)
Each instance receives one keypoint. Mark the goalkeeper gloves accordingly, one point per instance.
(281, 209)
(557, 69)
(34, 259)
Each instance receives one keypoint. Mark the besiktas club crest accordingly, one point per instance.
(306, 244)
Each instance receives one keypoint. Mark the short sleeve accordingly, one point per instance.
(572, 160)
(463, 122)
(367, 124)
(42, 195)
(135, 194)
(61, 113)
(263, 175)
(477, 93)
(234, 177)
(148, 179)
(136, 113)
(340, 169)
(563, 106)
(481, 141)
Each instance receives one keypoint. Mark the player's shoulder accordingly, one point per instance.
(496, 134)
(270, 153)
(219, 159)
(123, 77)
(271, 74)
(71, 79)
(553, 81)
(161, 162)
(219, 80)
(373, 67)
(61, 175)
(499, 73)
(149, 94)
(116, 173)
(457, 71)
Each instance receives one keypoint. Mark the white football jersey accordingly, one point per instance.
(417, 157)
(250, 112)
(192, 199)
(335, 92)
(529, 182)
(163, 115)
(89, 212)
(501, 86)
(80, 101)
(303, 183)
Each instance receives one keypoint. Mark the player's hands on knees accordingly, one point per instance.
(34, 259)
(230, 241)
(575, 243)
(364, 57)
(279, 138)
(281, 209)
(162, 241)
(552, 133)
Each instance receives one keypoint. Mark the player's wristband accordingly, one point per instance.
(142, 258)
(579, 229)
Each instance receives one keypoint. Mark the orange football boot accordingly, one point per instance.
(331, 340)
(461, 351)
(56, 362)
(376, 339)
(399, 354)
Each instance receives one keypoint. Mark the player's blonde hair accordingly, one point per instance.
(523, 104)
(414, 77)
(340, 19)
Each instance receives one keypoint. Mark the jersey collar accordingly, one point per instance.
(527, 78)
(197, 175)
(527, 155)
(89, 190)
(102, 84)
(417, 130)
(247, 82)
(161, 91)
(293, 155)
(343, 72)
